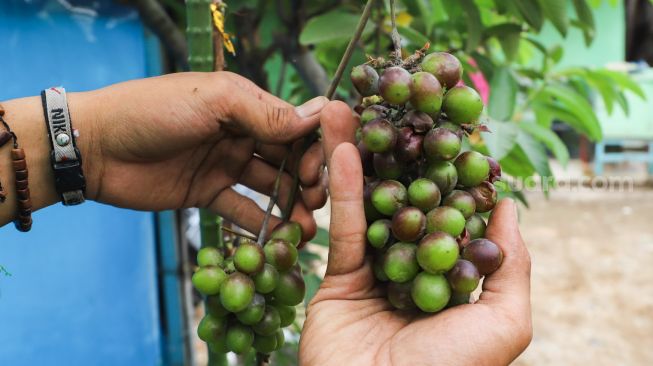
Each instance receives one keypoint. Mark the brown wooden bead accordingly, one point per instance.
(21, 184)
(4, 137)
(24, 204)
(20, 164)
(18, 154)
(22, 194)
(21, 174)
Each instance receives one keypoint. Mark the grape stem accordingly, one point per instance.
(330, 93)
(237, 233)
(273, 200)
(396, 39)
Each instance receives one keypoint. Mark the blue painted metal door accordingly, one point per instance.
(82, 291)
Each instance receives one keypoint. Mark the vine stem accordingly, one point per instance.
(330, 93)
(243, 235)
(273, 200)
(396, 39)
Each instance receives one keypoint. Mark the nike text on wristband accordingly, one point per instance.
(65, 157)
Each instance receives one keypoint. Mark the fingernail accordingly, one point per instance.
(313, 106)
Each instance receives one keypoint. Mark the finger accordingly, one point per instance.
(338, 126)
(315, 197)
(242, 211)
(253, 89)
(510, 284)
(270, 122)
(311, 166)
(347, 230)
(273, 153)
(261, 177)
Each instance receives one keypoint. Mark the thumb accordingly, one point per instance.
(275, 123)
(510, 284)
(347, 230)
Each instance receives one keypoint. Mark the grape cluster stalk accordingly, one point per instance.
(425, 194)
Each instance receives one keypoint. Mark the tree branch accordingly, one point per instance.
(157, 20)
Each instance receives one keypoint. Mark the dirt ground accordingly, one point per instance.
(592, 279)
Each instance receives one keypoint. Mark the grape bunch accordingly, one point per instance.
(251, 295)
(424, 192)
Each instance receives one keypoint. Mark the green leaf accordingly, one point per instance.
(555, 53)
(415, 37)
(605, 87)
(623, 102)
(306, 257)
(517, 164)
(548, 138)
(624, 81)
(585, 16)
(565, 101)
(501, 137)
(508, 35)
(332, 26)
(503, 94)
(531, 12)
(474, 24)
(556, 12)
(484, 64)
(321, 237)
(537, 156)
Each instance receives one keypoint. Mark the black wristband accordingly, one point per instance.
(65, 158)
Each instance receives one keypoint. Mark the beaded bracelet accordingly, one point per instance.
(24, 221)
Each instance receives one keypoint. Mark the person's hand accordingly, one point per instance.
(349, 321)
(184, 140)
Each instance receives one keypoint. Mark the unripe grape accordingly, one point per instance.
(409, 145)
(289, 231)
(236, 292)
(291, 288)
(269, 323)
(430, 292)
(386, 166)
(389, 196)
(207, 280)
(408, 224)
(281, 339)
(485, 196)
(266, 280)
(462, 104)
(399, 295)
(437, 252)
(420, 122)
(446, 219)
(373, 112)
(426, 93)
(210, 256)
(400, 262)
(287, 314)
(211, 328)
(265, 344)
(461, 201)
(239, 338)
(371, 213)
(424, 194)
(379, 136)
(365, 80)
(366, 159)
(445, 67)
(485, 255)
(472, 167)
(441, 144)
(495, 169)
(378, 234)
(475, 226)
(281, 254)
(214, 306)
(249, 258)
(444, 174)
(219, 346)
(464, 276)
(394, 85)
(459, 298)
(377, 268)
(451, 127)
(253, 313)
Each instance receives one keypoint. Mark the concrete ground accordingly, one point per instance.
(592, 279)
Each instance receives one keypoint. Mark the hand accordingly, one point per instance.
(349, 321)
(184, 140)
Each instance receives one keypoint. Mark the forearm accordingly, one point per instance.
(25, 117)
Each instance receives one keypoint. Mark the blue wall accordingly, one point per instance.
(83, 289)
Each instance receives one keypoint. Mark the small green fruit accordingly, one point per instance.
(464, 276)
(445, 67)
(441, 144)
(424, 194)
(379, 136)
(365, 80)
(437, 252)
(408, 224)
(266, 280)
(270, 322)
(265, 344)
(426, 93)
(281, 339)
(475, 227)
(389, 196)
(289, 231)
(211, 328)
(446, 219)
(253, 313)
(444, 174)
(462, 105)
(239, 338)
(287, 314)
(237, 292)
(210, 256)
(281, 254)
(249, 258)
(431, 292)
(400, 262)
(207, 280)
(462, 201)
(472, 167)
(291, 288)
(394, 85)
(378, 234)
